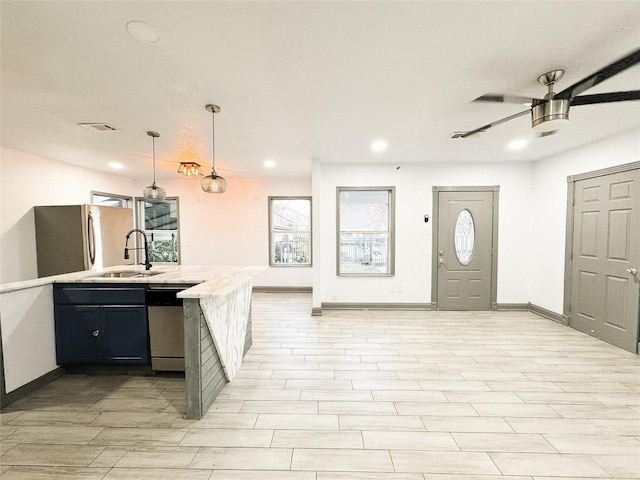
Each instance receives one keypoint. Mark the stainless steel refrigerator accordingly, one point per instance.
(72, 238)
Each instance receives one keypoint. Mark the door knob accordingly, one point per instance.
(95, 333)
(632, 271)
(441, 261)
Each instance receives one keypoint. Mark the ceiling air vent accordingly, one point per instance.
(98, 127)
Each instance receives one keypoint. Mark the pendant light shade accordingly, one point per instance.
(213, 183)
(153, 193)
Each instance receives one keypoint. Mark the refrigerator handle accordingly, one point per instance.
(91, 236)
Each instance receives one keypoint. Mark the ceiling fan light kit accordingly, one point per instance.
(550, 115)
(552, 112)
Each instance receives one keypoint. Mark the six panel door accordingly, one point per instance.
(605, 253)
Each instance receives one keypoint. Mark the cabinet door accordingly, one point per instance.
(127, 334)
(79, 334)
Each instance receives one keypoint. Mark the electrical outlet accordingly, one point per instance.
(400, 290)
(393, 289)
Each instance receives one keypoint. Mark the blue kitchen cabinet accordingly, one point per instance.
(78, 330)
(101, 324)
(127, 334)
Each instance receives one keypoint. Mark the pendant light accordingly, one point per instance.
(152, 193)
(213, 183)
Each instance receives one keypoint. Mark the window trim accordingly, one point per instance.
(392, 231)
(270, 222)
(130, 201)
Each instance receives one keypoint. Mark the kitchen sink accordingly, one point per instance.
(126, 274)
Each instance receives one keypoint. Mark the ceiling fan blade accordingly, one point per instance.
(493, 124)
(499, 98)
(606, 97)
(600, 76)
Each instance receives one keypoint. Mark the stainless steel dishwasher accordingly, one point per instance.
(166, 327)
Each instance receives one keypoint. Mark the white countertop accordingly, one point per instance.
(209, 280)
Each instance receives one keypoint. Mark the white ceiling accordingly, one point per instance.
(298, 81)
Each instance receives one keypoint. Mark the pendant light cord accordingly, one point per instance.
(213, 140)
(153, 148)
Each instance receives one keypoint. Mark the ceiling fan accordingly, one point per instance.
(552, 111)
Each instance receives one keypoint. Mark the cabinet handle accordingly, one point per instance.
(95, 333)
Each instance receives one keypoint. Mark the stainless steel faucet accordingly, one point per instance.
(147, 265)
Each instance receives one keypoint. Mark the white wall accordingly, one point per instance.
(414, 198)
(549, 207)
(27, 180)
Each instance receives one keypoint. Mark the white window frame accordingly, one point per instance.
(390, 232)
(126, 200)
(272, 246)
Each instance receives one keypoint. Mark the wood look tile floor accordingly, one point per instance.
(353, 395)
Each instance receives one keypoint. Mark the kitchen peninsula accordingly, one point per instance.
(217, 316)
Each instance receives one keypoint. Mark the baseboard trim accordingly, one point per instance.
(501, 307)
(375, 306)
(530, 307)
(543, 312)
(268, 289)
(32, 386)
(511, 307)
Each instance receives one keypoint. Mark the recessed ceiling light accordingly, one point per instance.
(379, 146)
(269, 163)
(518, 144)
(115, 165)
(143, 32)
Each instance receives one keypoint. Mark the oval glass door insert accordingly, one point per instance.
(464, 237)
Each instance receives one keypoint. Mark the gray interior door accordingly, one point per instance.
(605, 255)
(465, 249)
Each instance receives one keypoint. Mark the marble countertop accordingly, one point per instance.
(209, 280)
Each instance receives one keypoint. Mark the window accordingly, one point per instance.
(289, 231)
(365, 231)
(464, 237)
(159, 220)
(111, 200)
